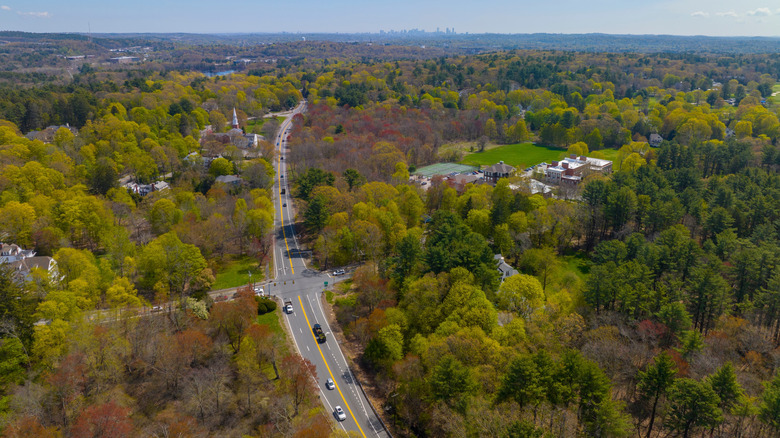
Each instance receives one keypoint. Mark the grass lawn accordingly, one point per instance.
(609, 154)
(519, 155)
(271, 319)
(577, 263)
(236, 273)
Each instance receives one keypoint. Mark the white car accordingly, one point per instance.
(340, 413)
(259, 290)
(339, 272)
(329, 384)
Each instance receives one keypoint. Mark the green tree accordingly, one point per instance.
(520, 293)
(692, 405)
(168, 264)
(221, 166)
(654, 383)
(724, 383)
(316, 215)
(522, 383)
(451, 381)
(769, 411)
(675, 318)
(104, 176)
(542, 262)
(312, 178)
(353, 178)
(13, 360)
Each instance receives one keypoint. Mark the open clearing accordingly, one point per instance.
(519, 155)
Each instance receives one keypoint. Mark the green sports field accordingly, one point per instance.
(519, 155)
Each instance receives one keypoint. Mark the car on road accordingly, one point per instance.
(281, 158)
(281, 176)
(329, 384)
(221, 298)
(284, 205)
(339, 272)
(318, 333)
(340, 413)
(259, 290)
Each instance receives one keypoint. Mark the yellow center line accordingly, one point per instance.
(329, 371)
(281, 209)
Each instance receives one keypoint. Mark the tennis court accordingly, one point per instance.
(444, 169)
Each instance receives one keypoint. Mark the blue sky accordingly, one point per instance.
(676, 17)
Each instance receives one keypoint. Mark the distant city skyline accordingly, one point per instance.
(674, 17)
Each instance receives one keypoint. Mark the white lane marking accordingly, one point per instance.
(300, 329)
(299, 354)
(349, 371)
(307, 348)
(284, 268)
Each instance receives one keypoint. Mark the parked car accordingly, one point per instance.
(339, 272)
(340, 413)
(329, 384)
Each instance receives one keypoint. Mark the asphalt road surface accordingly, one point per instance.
(294, 281)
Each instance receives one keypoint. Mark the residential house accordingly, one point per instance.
(498, 171)
(145, 189)
(23, 262)
(655, 140)
(459, 181)
(13, 253)
(47, 135)
(503, 267)
(24, 268)
(232, 180)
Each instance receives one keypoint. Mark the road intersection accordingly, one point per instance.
(295, 281)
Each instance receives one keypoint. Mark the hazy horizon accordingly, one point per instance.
(613, 17)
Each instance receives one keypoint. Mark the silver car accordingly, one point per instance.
(340, 413)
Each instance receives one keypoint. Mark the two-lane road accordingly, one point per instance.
(294, 281)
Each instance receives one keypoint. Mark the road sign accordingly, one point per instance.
(326, 284)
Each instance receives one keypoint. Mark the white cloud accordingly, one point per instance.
(760, 12)
(700, 14)
(5, 8)
(35, 14)
(727, 14)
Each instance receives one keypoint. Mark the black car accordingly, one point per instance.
(318, 333)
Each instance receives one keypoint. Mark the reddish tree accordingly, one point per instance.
(108, 420)
(194, 345)
(29, 427)
(171, 423)
(316, 426)
(234, 317)
(67, 383)
(298, 379)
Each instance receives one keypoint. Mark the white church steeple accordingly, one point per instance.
(235, 120)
